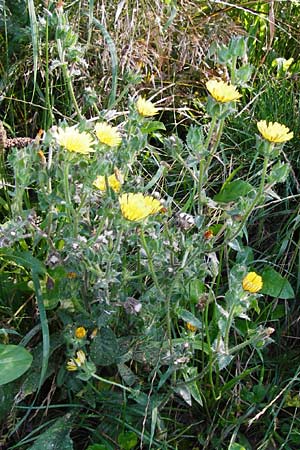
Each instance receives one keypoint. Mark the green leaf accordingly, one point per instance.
(24, 259)
(195, 140)
(14, 361)
(127, 375)
(275, 285)
(127, 440)
(195, 289)
(150, 127)
(232, 191)
(105, 348)
(236, 446)
(279, 173)
(188, 317)
(57, 437)
(190, 374)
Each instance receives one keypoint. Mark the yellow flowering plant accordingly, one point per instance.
(80, 333)
(252, 282)
(274, 132)
(222, 92)
(145, 107)
(107, 134)
(165, 284)
(113, 181)
(137, 207)
(71, 139)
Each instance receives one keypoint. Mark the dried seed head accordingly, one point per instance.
(202, 301)
(184, 221)
(2, 137)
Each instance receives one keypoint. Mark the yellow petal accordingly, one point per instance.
(274, 132)
(252, 282)
(145, 107)
(222, 92)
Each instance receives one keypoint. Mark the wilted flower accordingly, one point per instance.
(113, 182)
(108, 134)
(252, 282)
(274, 132)
(208, 234)
(137, 207)
(74, 363)
(80, 333)
(74, 141)
(222, 92)
(145, 107)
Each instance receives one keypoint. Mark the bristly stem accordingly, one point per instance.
(72, 215)
(150, 262)
(204, 165)
(156, 283)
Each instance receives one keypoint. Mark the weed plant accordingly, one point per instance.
(141, 301)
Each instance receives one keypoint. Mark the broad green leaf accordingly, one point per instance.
(104, 348)
(188, 317)
(150, 127)
(193, 387)
(232, 191)
(127, 375)
(275, 285)
(236, 446)
(127, 440)
(14, 361)
(184, 393)
(57, 437)
(279, 173)
(195, 139)
(278, 312)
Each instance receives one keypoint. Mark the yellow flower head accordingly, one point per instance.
(145, 107)
(252, 282)
(107, 134)
(80, 333)
(113, 182)
(71, 365)
(137, 207)
(191, 327)
(74, 363)
(72, 140)
(222, 92)
(274, 132)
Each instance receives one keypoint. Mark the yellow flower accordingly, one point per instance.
(81, 358)
(252, 282)
(107, 134)
(145, 107)
(74, 363)
(71, 365)
(74, 141)
(191, 327)
(137, 207)
(113, 182)
(274, 132)
(80, 333)
(222, 92)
